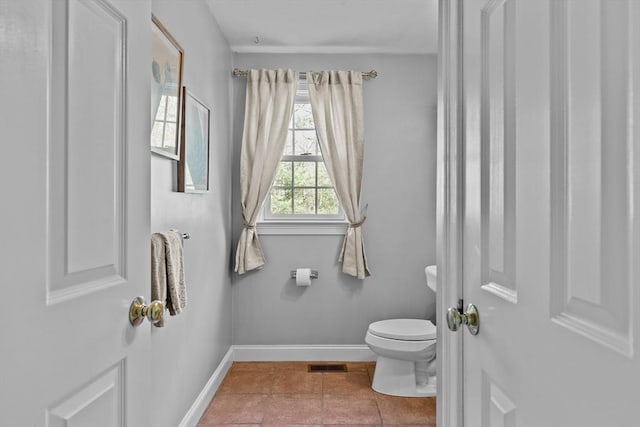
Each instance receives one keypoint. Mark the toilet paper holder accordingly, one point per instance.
(314, 274)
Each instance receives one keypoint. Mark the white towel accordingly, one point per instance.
(176, 290)
(158, 271)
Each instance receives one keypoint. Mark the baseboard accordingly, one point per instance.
(198, 407)
(271, 353)
(286, 353)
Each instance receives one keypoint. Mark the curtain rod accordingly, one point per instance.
(367, 75)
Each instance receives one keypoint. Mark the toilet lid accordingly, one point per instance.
(404, 329)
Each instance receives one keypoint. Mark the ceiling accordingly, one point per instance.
(328, 26)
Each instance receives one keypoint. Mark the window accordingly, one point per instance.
(165, 124)
(302, 190)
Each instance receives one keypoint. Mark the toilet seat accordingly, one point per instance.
(404, 329)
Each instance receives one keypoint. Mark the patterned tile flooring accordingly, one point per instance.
(284, 394)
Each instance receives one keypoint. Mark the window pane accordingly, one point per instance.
(281, 201)
(327, 201)
(283, 175)
(304, 174)
(157, 134)
(161, 108)
(323, 176)
(302, 116)
(288, 144)
(170, 135)
(306, 142)
(172, 108)
(304, 201)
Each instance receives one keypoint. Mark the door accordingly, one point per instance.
(551, 243)
(74, 247)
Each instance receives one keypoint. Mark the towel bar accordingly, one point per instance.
(185, 236)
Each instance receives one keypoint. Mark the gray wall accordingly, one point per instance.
(399, 186)
(191, 345)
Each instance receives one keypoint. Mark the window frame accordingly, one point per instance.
(269, 223)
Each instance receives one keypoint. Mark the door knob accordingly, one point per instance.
(139, 309)
(470, 317)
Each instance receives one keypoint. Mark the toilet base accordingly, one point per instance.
(398, 378)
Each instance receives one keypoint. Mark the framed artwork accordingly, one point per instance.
(166, 82)
(193, 167)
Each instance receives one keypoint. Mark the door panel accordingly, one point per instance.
(75, 204)
(497, 408)
(497, 127)
(550, 236)
(86, 145)
(100, 400)
(592, 177)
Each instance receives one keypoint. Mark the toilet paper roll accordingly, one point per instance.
(303, 277)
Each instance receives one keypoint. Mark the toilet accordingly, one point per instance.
(406, 350)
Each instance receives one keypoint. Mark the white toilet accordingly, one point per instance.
(406, 350)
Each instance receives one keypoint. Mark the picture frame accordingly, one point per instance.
(167, 58)
(193, 167)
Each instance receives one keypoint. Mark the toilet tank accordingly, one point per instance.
(431, 271)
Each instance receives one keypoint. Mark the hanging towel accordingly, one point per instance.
(158, 271)
(176, 291)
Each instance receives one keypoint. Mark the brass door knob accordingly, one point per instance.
(470, 317)
(139, 309)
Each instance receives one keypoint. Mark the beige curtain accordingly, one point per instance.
(268, 110)
(336, 103)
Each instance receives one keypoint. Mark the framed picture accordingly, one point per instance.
(166, 82)
(193, 167)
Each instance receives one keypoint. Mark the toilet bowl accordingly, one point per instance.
(406, 352)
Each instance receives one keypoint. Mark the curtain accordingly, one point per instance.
(268, 110)
(337, 107)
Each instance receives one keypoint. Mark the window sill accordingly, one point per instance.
(301, 228)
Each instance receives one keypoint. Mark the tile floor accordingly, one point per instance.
(284, 393)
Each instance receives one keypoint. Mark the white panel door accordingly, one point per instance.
(551, 238)
(74, 250)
